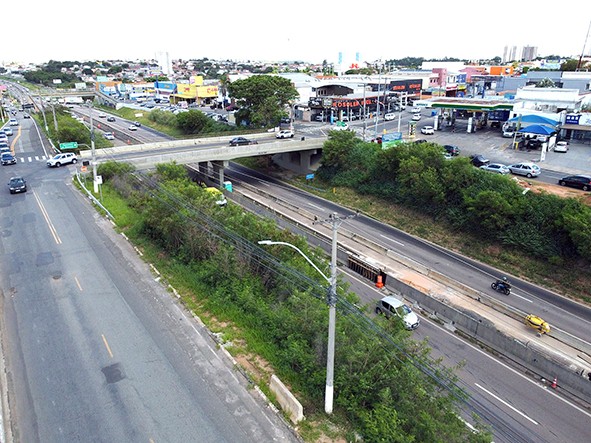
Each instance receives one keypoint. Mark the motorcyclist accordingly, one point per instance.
(504, 283)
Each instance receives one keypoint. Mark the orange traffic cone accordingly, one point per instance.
(554, 383)
(379, 283)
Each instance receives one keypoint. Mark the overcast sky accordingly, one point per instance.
(305, 30)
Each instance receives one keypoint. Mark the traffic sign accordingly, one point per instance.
(69, 145)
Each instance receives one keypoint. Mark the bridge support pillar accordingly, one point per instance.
(301, 162)
(218, 172)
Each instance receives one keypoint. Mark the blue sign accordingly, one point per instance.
(310, 177)
(572, 119)
(391, 139)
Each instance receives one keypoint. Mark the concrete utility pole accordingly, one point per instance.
(93, 154)
(336, 221)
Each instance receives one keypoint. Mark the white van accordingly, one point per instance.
(392, 307)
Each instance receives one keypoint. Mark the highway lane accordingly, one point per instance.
(96, 349)
(560, 311)
(517, 407)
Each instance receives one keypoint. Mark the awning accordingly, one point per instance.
(537, 129)
(538, 119)
(576, 127)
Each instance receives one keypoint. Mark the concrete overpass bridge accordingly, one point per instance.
(299, 155)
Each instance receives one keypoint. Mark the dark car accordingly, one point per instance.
(17, 184)
(110, 119)
(7, 159)
(576, 181)
(238, 141)
(452, 149)
(479, 160)
(137, 124)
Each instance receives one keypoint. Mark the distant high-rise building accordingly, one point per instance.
(529, 53)
(505, 51)
(513, 53)
(164, 63)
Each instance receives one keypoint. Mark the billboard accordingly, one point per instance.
(391, 139)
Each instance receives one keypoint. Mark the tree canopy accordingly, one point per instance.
(263, 99)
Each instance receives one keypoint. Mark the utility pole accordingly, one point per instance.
(43, 112)
(93, 154)
(335, 221)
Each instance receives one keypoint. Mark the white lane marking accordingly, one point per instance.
(509, 368)
(523, 298)
(392, 240)
(317, 207)
(506, 404)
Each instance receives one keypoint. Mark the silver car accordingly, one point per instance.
(527, 169)
(497, 168)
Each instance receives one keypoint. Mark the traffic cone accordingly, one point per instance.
(379, 283)
(554, 383)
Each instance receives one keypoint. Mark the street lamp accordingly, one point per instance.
(332, 281)
(93, 156)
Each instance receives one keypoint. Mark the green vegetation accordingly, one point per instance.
(68, 129)
(484, 215)
(271, 304)
(262, 99)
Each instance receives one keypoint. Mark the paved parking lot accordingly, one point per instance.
(487, 141)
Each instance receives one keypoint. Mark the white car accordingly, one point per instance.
(13, 122)
(389, 116)
(390, 306)
(102, 115)
(132, 128)
(284, 133)
(561, 146)
(109, 136)
(416, 117)
(62, 159)
(428, 130)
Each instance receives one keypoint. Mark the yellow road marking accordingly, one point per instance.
(56, 237)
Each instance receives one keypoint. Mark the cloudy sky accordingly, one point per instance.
(305, 30)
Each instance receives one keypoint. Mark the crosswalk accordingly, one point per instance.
(31, 159)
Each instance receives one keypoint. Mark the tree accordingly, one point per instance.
(192, 122)
(571, 65)
(263, 98)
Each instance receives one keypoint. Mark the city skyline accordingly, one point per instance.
(307, 31)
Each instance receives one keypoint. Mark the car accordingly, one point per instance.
(452, 149)
(389, 116)
(526, 168)
(420, 140)
(239, 141)
(132, 128)
(8, 130)
(497, 168)
(390, 306)
(17, 184)
(4, 147)
(508, 133)
(285, 133)
(102, 115)
(6, 158)
(13, 122)
(416, 117)
(576, 181)
(318, 118)
(109, 136)
(137, 124)
(479, 160)
(62, 159)
(428, 130)
(25, 115)
(561, 146)
(110, 119)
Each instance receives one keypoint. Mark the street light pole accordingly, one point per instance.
(93, 156)
(336, 221)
